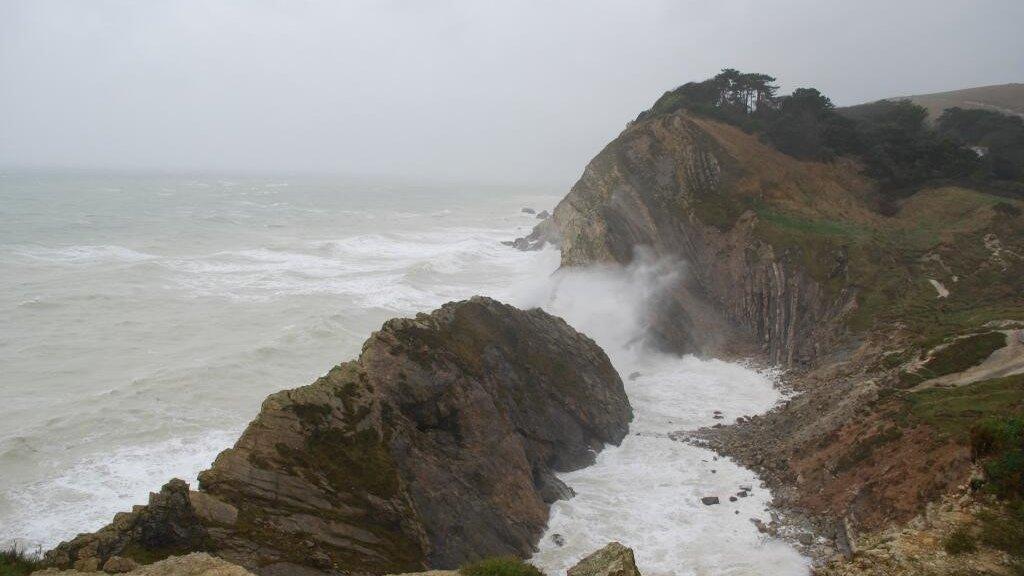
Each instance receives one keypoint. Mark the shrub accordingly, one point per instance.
(959, 541)
(999, 444)
(500, 566)
(15, 561)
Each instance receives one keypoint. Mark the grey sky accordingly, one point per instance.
(467, 90)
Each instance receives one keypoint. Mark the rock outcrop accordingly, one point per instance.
(437, 446)
(612, 560)
(686, 188)
(196, 564)
(794, 262)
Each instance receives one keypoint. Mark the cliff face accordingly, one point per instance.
(690, 188)
(438, 445)
(790, 260)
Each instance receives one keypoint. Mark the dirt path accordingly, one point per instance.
(1006, 361)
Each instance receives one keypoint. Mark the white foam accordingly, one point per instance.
(646, 493)
(86, 494)
(85, 254)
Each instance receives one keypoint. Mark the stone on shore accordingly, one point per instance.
(612, 560)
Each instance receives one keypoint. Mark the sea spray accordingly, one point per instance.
(647, 492)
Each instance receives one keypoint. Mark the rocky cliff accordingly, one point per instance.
(437, 445)
(874, 312)
(693, 189)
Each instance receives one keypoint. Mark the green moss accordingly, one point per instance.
(500, 566)
(15, 561)
(355, 462)
(311, 414)
(960, 541)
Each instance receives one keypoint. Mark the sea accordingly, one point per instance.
(145, 316)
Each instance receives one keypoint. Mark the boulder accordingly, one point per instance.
(438, 445)
(528, 211)
(709, 500)
(543, 215)
(612, 560)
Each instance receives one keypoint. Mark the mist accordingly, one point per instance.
(522, 92)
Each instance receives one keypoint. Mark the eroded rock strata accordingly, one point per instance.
(437, 445)
(793, 262)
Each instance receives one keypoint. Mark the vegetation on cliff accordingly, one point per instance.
(15, 561)
(853, 244)
(893, 139)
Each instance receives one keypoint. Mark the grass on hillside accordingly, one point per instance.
(500, 566)
(990, 416)
(956, 411)
(959, 355)
(15, 561)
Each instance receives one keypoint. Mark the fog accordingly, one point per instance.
(509, 92)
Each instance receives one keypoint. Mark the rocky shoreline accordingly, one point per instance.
(437, 446)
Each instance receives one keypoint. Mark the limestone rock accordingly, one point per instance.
(438, 445)
(612, 560)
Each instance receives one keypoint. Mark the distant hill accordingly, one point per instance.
(1005, 98)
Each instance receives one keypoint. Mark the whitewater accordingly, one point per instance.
(143, 318)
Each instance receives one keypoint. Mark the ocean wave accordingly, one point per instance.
(84, 254)
(395, 271)
(88, 492)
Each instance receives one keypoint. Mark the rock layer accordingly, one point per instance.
(663, 184)
(437, 446)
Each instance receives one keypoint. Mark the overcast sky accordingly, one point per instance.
(514, 91)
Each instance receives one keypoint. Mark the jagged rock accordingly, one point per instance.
(543, 215)
(528, 211)
(543, 234)
(438, 445)
(558, 540)
(167, 525)
(634, 376)
(612, 560)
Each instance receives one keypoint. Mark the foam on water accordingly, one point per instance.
(90, 490)
(647, 492)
